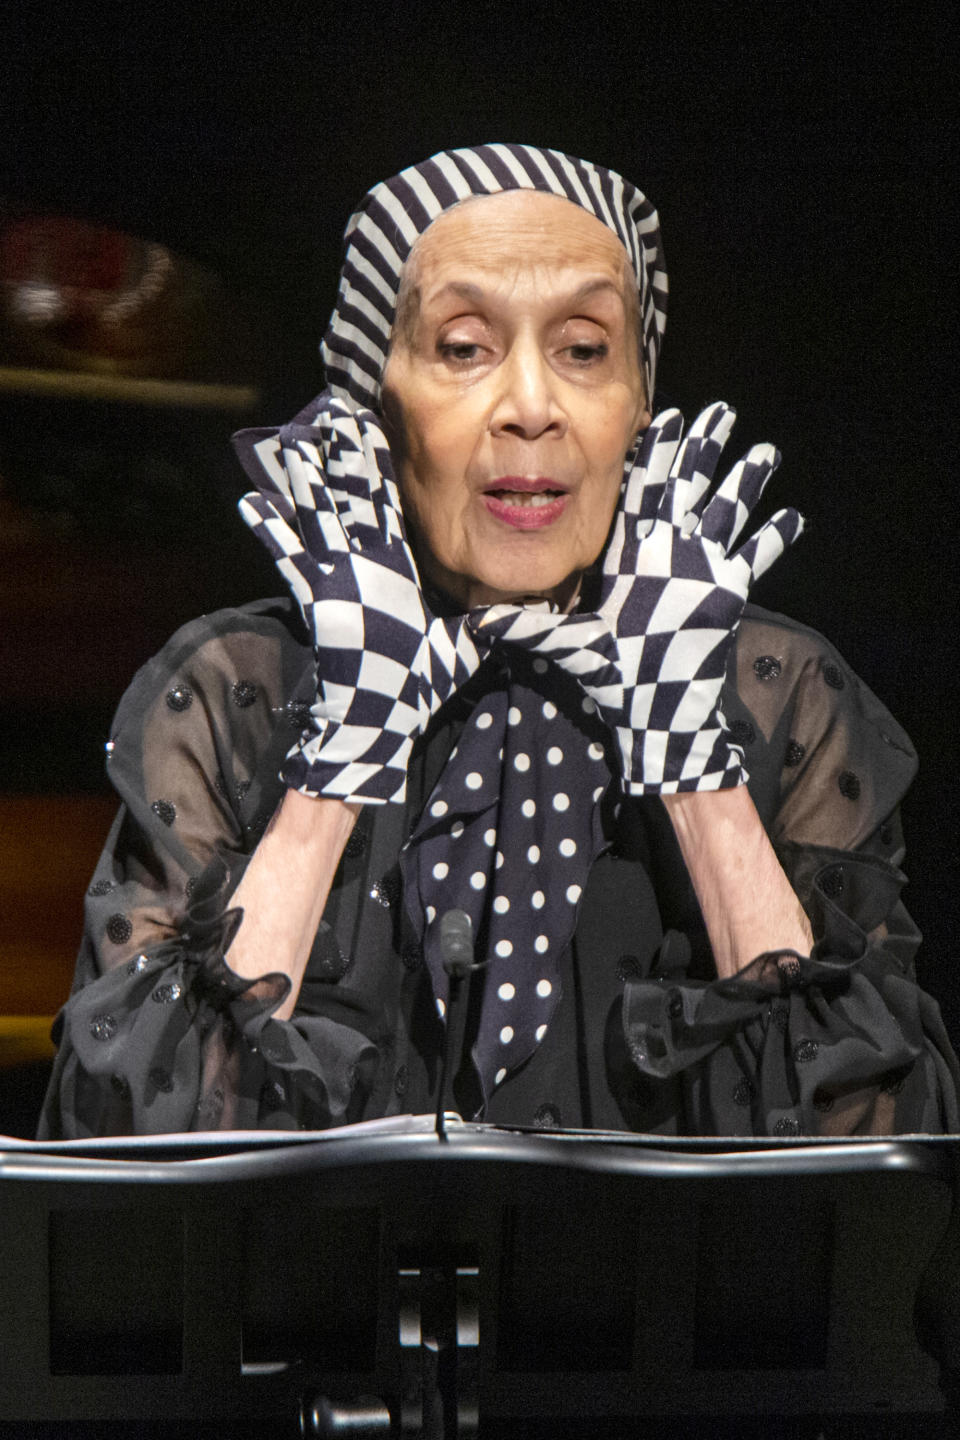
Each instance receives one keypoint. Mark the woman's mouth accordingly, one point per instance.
(526, 504)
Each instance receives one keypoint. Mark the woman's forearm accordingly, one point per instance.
(747, 901)
(285, 887)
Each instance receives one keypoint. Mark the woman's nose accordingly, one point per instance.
(528, 404)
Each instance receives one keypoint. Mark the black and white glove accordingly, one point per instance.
(653, 655)
(328, 510)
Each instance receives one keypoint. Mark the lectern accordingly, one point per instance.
(387, 1281)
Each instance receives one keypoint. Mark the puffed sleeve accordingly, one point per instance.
(158, 1034)
(842, 1041)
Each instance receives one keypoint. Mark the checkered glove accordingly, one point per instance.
(328, 510)
(653, 655)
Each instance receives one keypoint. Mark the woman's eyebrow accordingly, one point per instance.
(475, 294)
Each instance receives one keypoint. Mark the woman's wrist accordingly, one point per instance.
(747, 902)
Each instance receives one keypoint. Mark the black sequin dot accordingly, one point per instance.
(412, 956)
(849, 785)
(805, 1051)
(780, 1015)
(328, 961)
(789, 967)
(743, 1091)
(822, 1101)
(400, 1082)
(356, 845)
(243, 694)
(886, 834)
(298, 715)
(767, 667)
(137, 965)
(629, 968)
(547, 1117)
(190, 886)
(786, 1126)
(794, 753)
(120, 1086)
(103, 1027)
(119, 929)
(742, 732)
(272, 1095)
(100, 887)
(180, 698)
(243, 787)
(833, 676)
(832, 882)
(166, 994)
(161, 1080)
(275, 1045)
(674, 1005)
(164, 810)
(386, 890)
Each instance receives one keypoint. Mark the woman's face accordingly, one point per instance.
(512, 393)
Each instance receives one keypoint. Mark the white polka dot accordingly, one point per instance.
(588, 706)
(568, 847)
(573, 893)
(521, 762)
(561, 801)
(597, 793)
(474, 780)
(431, 914)
(501, 904)
(540, 666)
(513, 716)
(504, 948)
(441, 870)
(540, 1032)
(500, 1076)
(499, 860)
(439, 807)
(538, 899)
(456, 829)
(528, 809)
(478, 879)
(554, 755)
(441, 1009)
(544, 988)
(533, 854)
(489, 837)
(484, 721)
(507, 991)
(540, 945)
(595, 751)
(549, 710)
(506, 1035)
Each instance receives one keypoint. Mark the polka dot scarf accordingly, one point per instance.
(509, 834)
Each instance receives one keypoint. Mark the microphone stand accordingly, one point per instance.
(456, 952)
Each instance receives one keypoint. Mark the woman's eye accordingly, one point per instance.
(460, 352)
(587, 354)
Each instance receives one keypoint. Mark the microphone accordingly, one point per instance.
(456, 943)
(456, 955)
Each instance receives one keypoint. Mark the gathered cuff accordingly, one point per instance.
(175, 1040)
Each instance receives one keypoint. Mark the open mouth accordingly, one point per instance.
(525, 498)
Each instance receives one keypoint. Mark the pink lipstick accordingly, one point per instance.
(525, 502)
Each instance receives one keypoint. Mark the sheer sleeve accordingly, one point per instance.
(842, 1041)
(158, 1034)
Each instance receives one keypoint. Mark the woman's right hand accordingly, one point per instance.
(328, 510)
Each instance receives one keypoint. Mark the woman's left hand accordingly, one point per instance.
(653, 655)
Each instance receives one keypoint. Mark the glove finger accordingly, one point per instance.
(260, 453)
(729, 509)
(771, 540)
(697, 460)
(642, 491)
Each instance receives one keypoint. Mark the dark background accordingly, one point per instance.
(802, 158)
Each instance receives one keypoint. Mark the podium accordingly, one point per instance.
(501, 1283)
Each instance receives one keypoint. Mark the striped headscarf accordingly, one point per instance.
(380, 235)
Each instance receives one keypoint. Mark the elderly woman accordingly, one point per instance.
(520, 697)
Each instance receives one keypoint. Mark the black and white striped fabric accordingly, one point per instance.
(391, 217)
(327, 509)
(653, 655)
